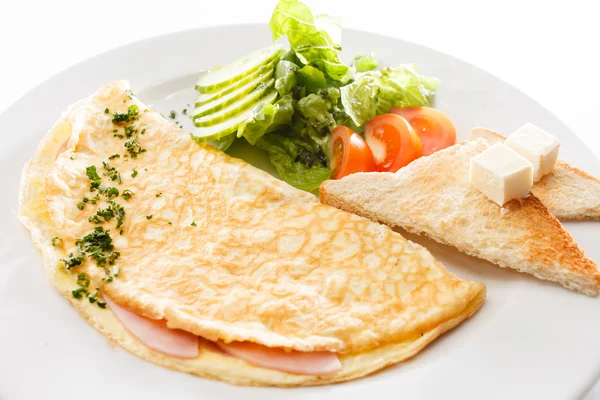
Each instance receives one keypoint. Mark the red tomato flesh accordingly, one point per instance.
(434, 128)
(393, 142)
(349, 153)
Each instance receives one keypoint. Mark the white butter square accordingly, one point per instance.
(536, 145)
(501, 174)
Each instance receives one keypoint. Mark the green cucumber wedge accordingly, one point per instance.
(265, 70)
(217, 78)
(231, 125)
(225, 100)
(235, 108)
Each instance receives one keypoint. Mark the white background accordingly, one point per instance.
(549, 49)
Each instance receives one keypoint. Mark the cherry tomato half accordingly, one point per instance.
(393, 142)
(349, 153)
(435, 129)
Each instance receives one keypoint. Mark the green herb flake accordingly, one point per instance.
(79, 292)
(148, 216)
(134, 148)
(112, 192)
(158, 194)
(95, 179)
(114, 156)
(73, 260)
(184, 111)
(143, 131)
(129, 93)
(193, 223)
(127, 194)
(98, 246)
(130, 131)
(94, 199)
(106, 111)
(111, 172)
(172, 114)
(131, 115)
(134, 173)
(57, 242)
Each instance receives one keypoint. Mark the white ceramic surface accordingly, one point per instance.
(530, 340)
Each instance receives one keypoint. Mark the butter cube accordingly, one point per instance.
(501, 174)
(536, 145)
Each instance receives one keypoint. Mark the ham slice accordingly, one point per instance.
(295, 362)
(182, 344)
(155, 334)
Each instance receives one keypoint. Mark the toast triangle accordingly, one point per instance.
(432, 196)
(568, 192)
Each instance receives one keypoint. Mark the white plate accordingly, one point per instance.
(530, 340)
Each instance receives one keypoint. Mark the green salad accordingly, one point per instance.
(287, 101)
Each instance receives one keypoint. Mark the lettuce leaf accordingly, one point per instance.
(359, 98)
(403, 87)
(376, 92)
(313, 46)
(312, 79)
(365, 63)
(285, 77)
(295, 160)
(269, 118)
(317, 114)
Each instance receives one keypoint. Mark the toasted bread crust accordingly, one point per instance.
(570, 193)
(432, 197)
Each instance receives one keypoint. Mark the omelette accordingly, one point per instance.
(201, 263)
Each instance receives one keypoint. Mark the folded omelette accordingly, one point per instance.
(163, 245)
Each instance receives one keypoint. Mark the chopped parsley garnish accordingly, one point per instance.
(148, 216)
(134, 173)
(130, 131)
(134, 148)
(158, 194)
(184, 111)
(79, 292)
(106, 111)
(114, 156)
(193, 223)
(95, 179)
(118, 211)
(111, 172)
(98, 246)
(83, 282)
(56, 241)
(127, 194)
(94, 199)
(73, 260)
(111, 191)
(82, 203)
(170, 223)
(143, 131)
(172, 114)
(131, 115)
(129, 93)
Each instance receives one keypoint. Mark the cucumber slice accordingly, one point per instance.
(229, 126)
(220, 77)
(204, 98)
(232, 97)
(234, 108)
